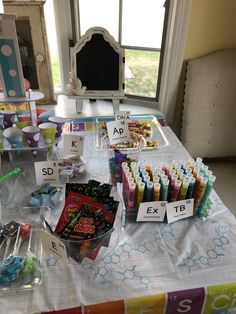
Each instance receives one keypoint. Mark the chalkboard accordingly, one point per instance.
(97, 65)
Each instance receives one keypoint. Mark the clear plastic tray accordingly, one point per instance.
(25, 146)
(148, 126)
(27, 276)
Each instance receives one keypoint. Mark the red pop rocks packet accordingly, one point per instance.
(90, 221)
(69, 212)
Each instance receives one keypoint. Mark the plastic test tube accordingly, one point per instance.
(146, 179)
(191, 185)
(197, 183)
(148, 192)
(140, 194)
(10, 174)
(207, 192)
(200, 191)
(184, 189)
(164, 190)
(131, 196)
(156, 191)
(138, 180)
(155, 179)
(175, 192)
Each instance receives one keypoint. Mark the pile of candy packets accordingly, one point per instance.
(87, 219)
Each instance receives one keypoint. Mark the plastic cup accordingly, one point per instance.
(24, 117)
(23, 124)
(9, 116)
(32, 134)
(48, 131)
(59, 122)
(14, 136)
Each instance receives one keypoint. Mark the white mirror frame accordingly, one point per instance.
(75, 88)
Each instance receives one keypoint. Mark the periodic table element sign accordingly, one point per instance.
(47, 172)
(122, 115)
(73, 145)
(52, 245)
(118, 132)
(152, 211)
(179, 210)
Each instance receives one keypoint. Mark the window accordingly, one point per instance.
(52, 43)
(176, 28)
(138, 27)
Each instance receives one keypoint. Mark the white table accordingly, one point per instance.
(151, 258)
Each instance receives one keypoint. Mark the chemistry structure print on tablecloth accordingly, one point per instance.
(139, 260)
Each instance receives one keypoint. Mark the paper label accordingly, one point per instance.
(118, 132)
(73, 145)
(52, 245)
(47, 172)
(220, 298)
(122, 115)
(179, 210)
(186, 301)
(151, 211)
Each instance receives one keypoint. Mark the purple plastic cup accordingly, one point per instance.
(31, 134)
(9, 116)
(59, 122)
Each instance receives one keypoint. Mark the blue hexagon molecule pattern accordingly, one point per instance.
(215, 250)
(130, 261)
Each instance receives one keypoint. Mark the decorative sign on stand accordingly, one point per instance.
(155, 211)
(47, 172)
(73, 145)
(123, 115)
(152, 211)
(52, 245)
(179, 210)
(118, 132)
(11, 73)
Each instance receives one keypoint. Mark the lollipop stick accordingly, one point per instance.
(15, 249)
(29, 244)
(3, 242)
(25, 232)
(9, 242)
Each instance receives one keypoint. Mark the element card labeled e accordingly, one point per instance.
(52, 245)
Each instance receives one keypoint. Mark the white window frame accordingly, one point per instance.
(1, 7)
(176, 34)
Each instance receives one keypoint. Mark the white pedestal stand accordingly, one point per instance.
(79, 101)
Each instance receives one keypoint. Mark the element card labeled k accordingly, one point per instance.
(73, 145)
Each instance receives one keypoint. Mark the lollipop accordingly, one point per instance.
(11, 264)
(9, 232)
(30, 261)
(24, 233)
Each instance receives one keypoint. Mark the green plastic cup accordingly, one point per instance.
(48, 131)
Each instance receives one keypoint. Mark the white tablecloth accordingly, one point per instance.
(149, 258)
